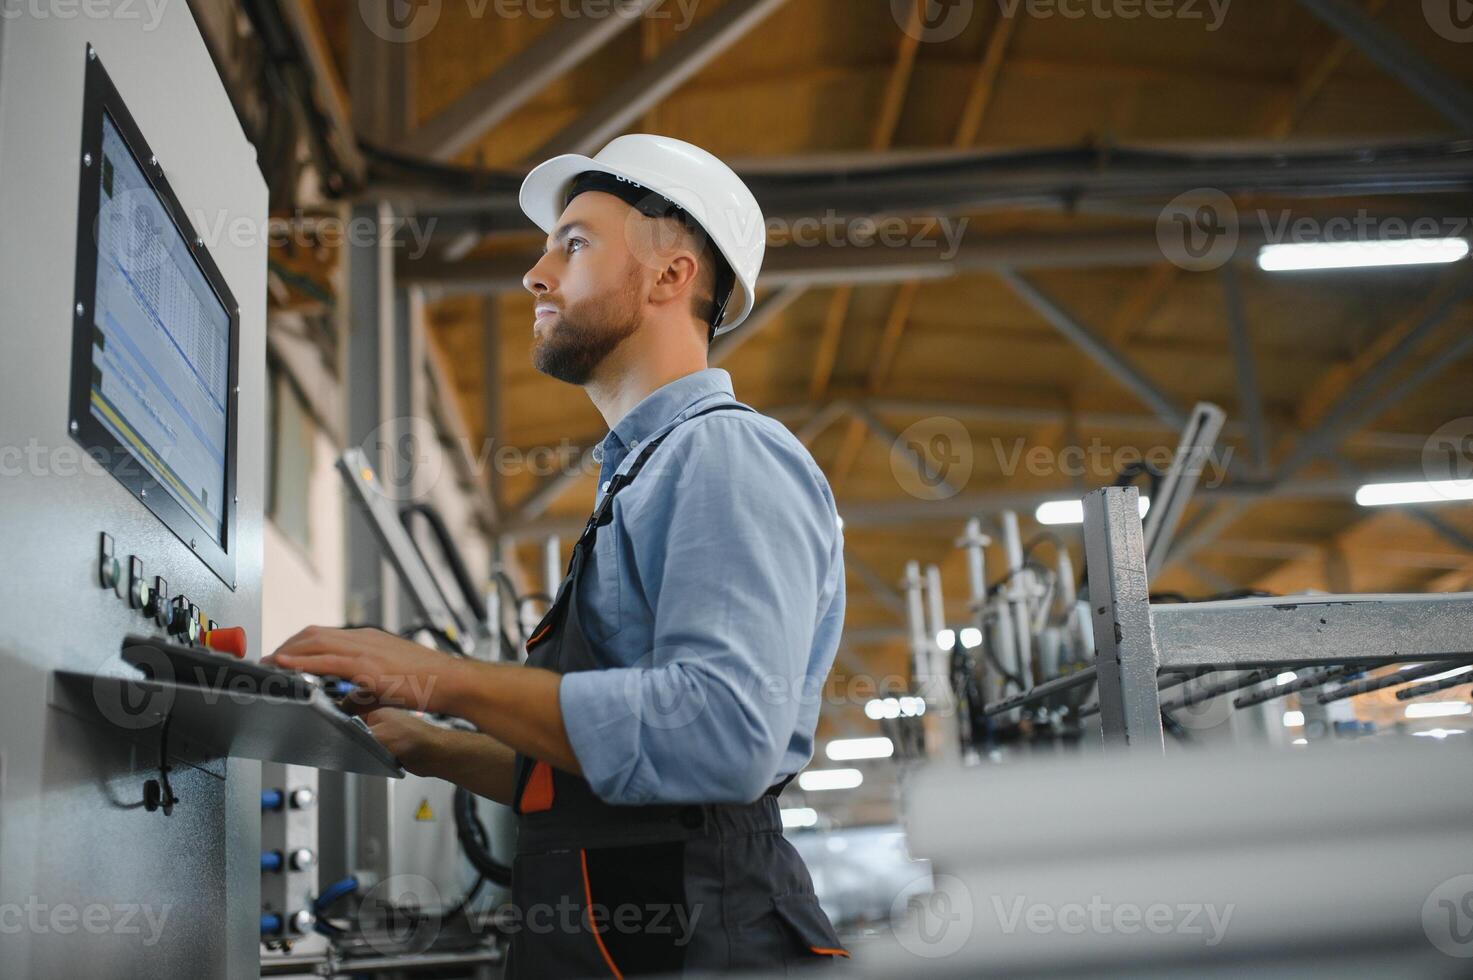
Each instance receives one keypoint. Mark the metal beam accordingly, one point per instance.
(1126, 657)
(511, 86)
(1314, 629)
(952, 182)
(1229, 502)
(1250, 402)
(1350, 407)
(1097, 348)
(626, 102)
(764, 313)
(1438, 89)
(875, 584)
(1449, 532)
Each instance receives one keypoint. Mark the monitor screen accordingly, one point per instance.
(160, 342)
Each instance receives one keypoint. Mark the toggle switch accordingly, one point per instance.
(302, 797)
(230, 639)
(158, 603)
(183, 623)
(271, 799)
(270, 924)
(271, 861)
(302, 859)
(109, 571)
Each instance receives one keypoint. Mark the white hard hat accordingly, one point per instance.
(708, 190)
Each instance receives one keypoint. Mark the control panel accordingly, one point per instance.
(289, 859)
(175, 616)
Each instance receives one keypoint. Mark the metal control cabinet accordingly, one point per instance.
(102, 885)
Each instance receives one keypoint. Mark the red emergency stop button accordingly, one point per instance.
(228, 639)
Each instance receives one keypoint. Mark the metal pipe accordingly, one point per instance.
(1407, 693)
(1047, 689)
(1315, 679)
(1393, 679)
(552, 563)
(1016, 594)
(1217, 690)
(915, 619)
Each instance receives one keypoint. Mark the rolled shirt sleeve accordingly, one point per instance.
(733, 542)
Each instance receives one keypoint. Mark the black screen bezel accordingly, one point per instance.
(101, 98)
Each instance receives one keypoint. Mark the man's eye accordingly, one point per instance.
(575, 244)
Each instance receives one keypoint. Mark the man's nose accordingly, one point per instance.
(537, 281)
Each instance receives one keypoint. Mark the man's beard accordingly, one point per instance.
(584, 335)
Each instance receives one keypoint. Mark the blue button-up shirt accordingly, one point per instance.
(714, 600)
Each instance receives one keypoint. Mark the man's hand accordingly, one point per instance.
(515, 704)
(418, 745)
(386, 671)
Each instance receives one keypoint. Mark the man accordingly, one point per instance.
(673, 688)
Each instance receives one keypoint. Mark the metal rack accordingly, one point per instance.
(1137, 641)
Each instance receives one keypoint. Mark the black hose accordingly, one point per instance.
(468, 591)
(475, 841)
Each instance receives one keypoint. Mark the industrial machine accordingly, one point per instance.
(133, 719)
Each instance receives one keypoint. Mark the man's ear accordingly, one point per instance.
(677, 278)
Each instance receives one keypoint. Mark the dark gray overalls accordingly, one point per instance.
(603, 890)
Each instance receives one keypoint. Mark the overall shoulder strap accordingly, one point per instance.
(605, 510)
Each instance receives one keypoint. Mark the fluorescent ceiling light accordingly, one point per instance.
(971, 637)
(1439, 709)
(799, 816)
(1301, 741)
(1293, 719)
(906, 707)
(1307, 256)
(1071, 511)
(846, 749)
(1433, 492)
(1286, 677)
(815, 780)
(946, 639)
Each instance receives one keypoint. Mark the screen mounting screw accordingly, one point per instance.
(72, 425)
(81, 310)
(86, 159)
(143, 491)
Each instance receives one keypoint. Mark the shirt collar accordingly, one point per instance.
(664, 405)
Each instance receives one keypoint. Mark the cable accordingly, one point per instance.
(475, 841)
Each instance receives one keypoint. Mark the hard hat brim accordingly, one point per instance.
(546, 185)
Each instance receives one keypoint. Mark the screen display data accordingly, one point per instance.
(160, 342)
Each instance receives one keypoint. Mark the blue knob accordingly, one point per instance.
(271, 799)
(270, 860)
(270, 924)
